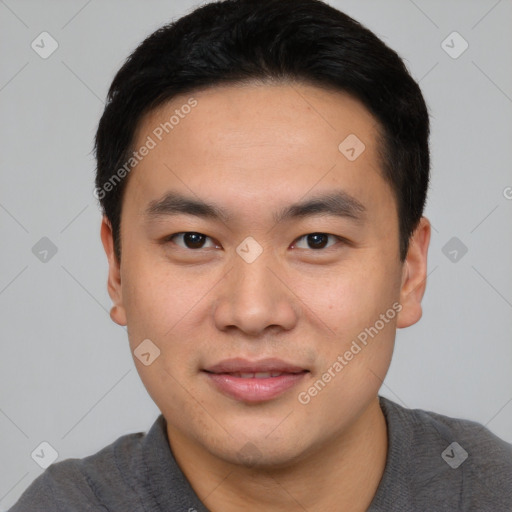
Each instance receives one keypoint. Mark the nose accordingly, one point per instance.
(254, 297)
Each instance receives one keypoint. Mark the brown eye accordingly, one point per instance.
(190, 240)
(316, 241)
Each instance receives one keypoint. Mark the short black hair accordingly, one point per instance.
(294, 41)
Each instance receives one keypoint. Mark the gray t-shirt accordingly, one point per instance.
(435, 463)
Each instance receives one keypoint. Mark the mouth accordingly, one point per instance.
(255, 375)
(253, 382)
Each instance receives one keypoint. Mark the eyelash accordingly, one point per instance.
(338, 238)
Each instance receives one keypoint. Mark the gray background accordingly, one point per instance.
(66, 373)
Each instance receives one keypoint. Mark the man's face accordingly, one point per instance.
(251, 293)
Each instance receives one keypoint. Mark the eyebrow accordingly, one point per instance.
(337, 204)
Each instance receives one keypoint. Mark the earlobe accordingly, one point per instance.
(117, 313)
(414, 275)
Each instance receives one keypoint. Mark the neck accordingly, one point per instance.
(342, 474)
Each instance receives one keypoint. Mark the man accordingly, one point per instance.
(263, 168)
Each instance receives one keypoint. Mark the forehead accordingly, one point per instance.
(258, 142)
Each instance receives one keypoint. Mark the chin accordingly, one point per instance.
(260, 452)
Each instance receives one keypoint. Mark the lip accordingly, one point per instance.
(224, 377)
(240, 365)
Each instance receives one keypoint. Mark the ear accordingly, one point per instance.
(117, 313)
(414, 275)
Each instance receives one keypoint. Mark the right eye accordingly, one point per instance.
(189, 240)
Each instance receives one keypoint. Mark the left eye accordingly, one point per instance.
(190, 239)
(317, 240)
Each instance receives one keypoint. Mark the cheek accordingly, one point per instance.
(158, 303)
(155, 299)
(349, 299)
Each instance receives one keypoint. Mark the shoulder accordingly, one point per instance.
(472, 441)
(106, 480)
(455, 460)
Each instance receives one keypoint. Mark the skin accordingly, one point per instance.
(253, 150)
